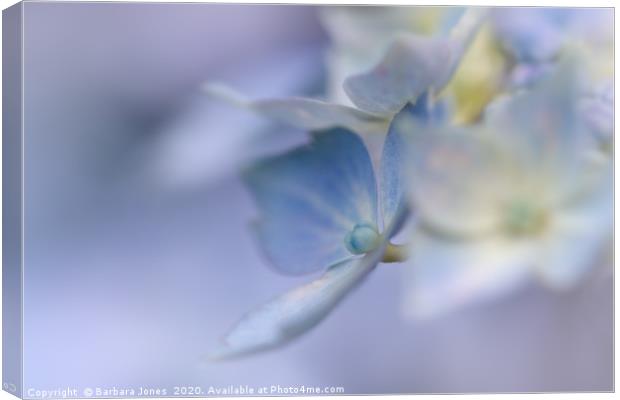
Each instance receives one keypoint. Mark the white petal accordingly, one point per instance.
(456, 178)
(361, 35)
(443, 275)
(577, 240)
(411, 66)
(304, 113)
(542, 130)
(297, 311)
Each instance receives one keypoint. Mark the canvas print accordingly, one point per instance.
(211, 200)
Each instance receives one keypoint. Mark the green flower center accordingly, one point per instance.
(523, 218)
(363, 238)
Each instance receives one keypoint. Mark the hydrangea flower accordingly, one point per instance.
(535, 38)
(412, 65)
(320, 209)
(513, 194)
(360, 36)
(498, 202)
(538, 38)
(514, 48)
(597, 108)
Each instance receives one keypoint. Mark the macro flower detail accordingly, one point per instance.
(536, 37)
(412, 66)
(304, 113)
(500, 172)
(362, 238)
(319, 209)
(504, 200)
(597, 108)
(361, 35)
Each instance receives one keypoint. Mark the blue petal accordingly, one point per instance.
(392, 179)
(531, 35)
(297, 311)
(597, 109)
(427, 110)
(525, 75)
(311, 198)
(394, 158)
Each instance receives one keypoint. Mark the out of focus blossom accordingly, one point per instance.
(506, 199)
(535, 37)
(360, 36)
(515, 47)
(597, 108)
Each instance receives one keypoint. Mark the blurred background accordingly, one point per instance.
(137, 253)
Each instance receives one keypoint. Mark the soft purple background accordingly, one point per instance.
(138, 257)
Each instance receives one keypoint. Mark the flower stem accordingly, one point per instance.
(395, 253)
